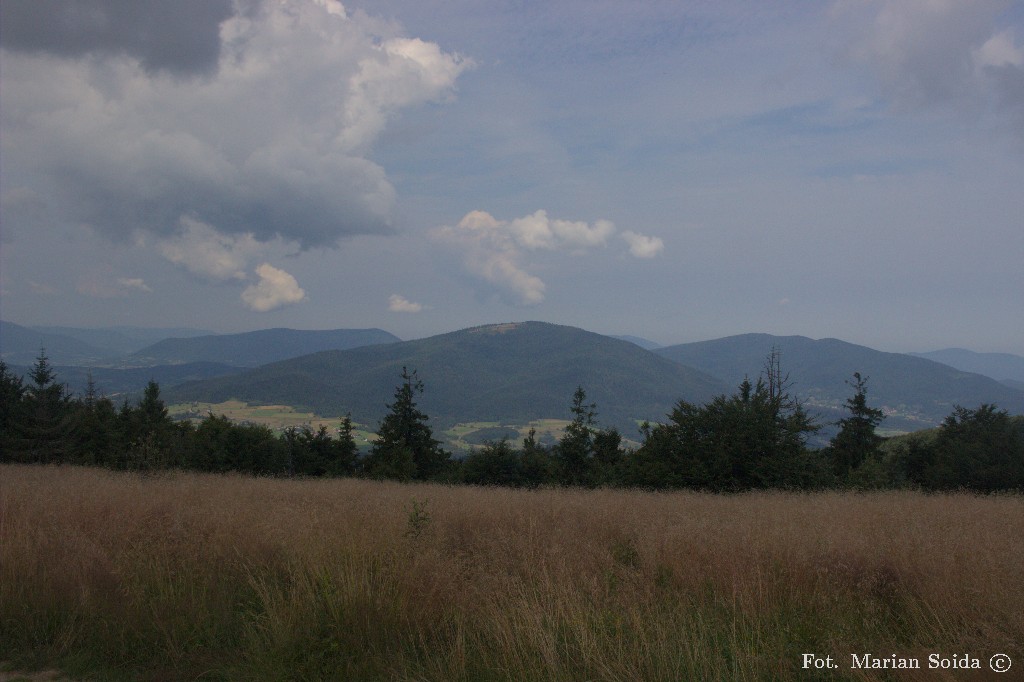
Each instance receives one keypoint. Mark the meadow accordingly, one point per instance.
(187, 576)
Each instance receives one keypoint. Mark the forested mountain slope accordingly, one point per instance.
(251, 349)
(509, 373)
(914, 392)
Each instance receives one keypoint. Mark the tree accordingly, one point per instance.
(47, 425)
(345, 452)
(980, 449)
(98, 438)
(494, 464)
(535, 462)
(12, 406)
(574, 449)
(149, 431)
(755, 438)
(856, 441)
(405, 447)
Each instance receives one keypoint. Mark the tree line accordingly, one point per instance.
(756, 438)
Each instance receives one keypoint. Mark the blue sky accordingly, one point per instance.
(674, 170)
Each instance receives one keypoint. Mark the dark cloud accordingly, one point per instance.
(180, 36)
(274, 143)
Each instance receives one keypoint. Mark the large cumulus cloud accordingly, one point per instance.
(265, 135)
(932, 53)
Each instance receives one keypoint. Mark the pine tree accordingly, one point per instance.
(856, 441)
(405, 447)
(46, 432)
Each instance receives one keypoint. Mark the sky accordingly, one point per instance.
(676, 170)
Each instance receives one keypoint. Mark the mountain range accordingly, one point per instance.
(1003, 367)
(506, 373)
(509, 373)
(251, 349)
(913, 391)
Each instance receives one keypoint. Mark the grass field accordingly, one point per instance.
(184, 576)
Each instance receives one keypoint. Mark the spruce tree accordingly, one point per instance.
(405, 447)
(856, 441)
(47, 428)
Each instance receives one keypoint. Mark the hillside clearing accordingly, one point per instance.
(176, 575)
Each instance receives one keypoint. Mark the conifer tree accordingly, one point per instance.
(12, 397)
(856, 441)
(575, 449)
(47, 427)
(405, 447)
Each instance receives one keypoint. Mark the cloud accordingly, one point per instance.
(42, 288)
(271, 142)
(181, 37)
(642, 246)
(496, 250)
(537, 231)
(203, 251)
(99, 284)
(399, 304)
(275, 289)
(134, 284)
(930, 53)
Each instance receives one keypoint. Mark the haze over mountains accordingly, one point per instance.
(1003, 367)
(510, 373)
(252, 349)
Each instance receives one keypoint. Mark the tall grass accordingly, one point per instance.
(189, 576)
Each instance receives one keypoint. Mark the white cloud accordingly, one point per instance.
(275, 289)
(400, 304)
(271, 143)
(643, 246)
(495, 250)
(134, 284)
(1000, 50)
(938, 52)
(501, 270)
(202, 250)
(99, 283)
(537, 231)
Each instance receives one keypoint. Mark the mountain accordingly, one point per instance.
(508, 373)
(646, 344)
(998, 366)
(123, 339)
(251, 349)
(914, 392)
(21, 345)
(115, 382)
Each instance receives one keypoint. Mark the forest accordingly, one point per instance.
(755, 438)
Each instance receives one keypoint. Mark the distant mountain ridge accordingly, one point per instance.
(123, 339)
(507, 373)
(119, 382)
(999, 366)
(646, 344)
(21, 345)
(915, 392)
(251, 349)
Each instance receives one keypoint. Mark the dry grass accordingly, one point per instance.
(189, 576)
